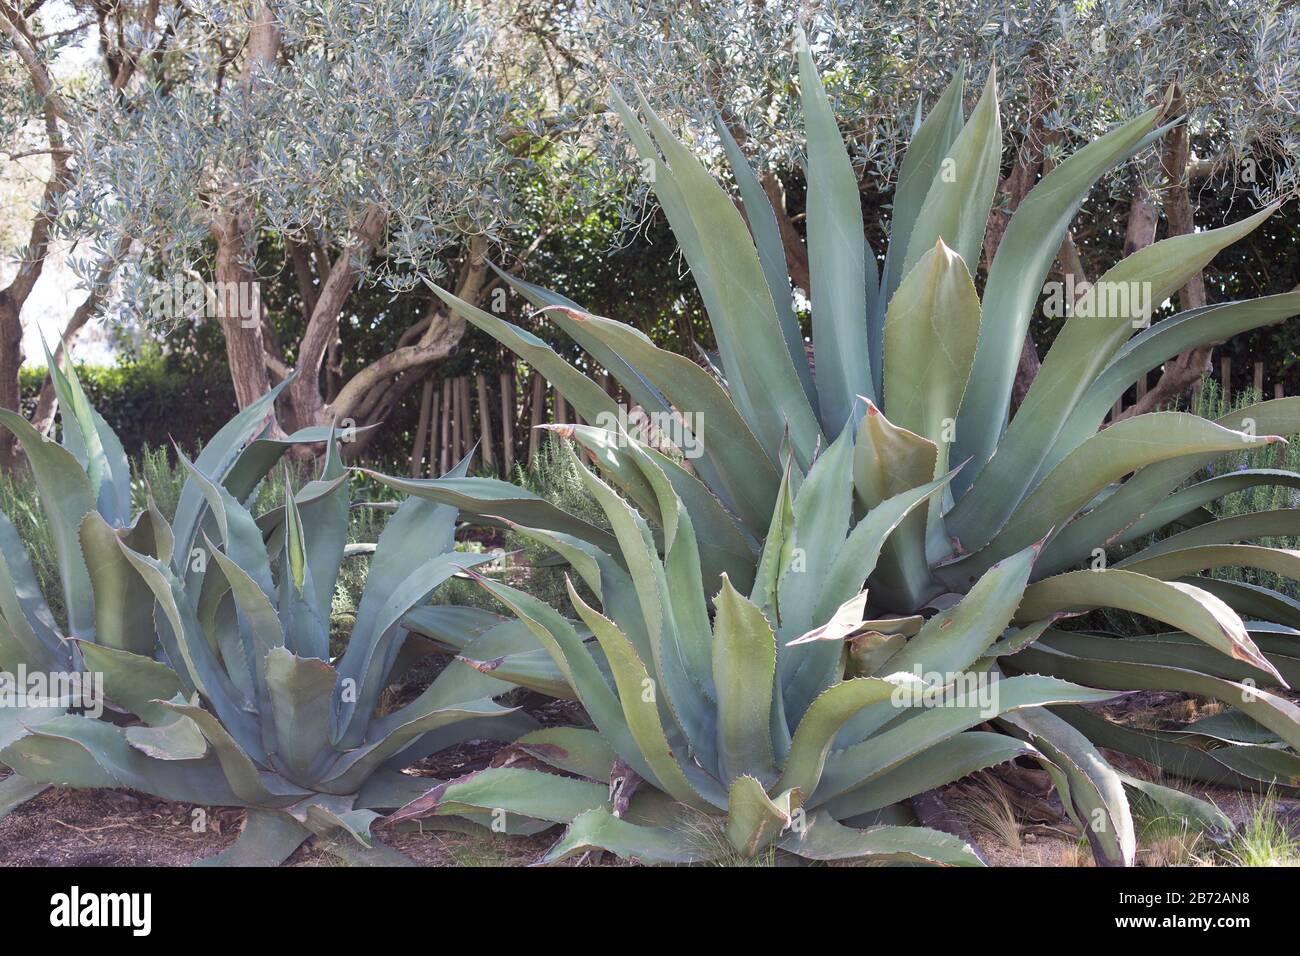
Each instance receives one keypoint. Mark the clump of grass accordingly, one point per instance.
(986, 807)
(1264, 838)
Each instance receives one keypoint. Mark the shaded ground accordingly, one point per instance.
(1011, 825)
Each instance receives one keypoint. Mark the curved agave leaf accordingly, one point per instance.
(1161, 342)
(509, 790)
(123, 603)
(92, 443)
(924, 727)
(66, 497)
(945, 762)
(1105, 457)
(266, 839)
(822, 838)
(1015, 282)
(771, 253)
(1086, 343)
(930, 143)
(1186, 501)
(1134, 498)
(28, 632)
(1272, 711)
(1089, 787)
(599, 829)
(1183, 606)
(836, 256)
(754, 819)
(744, 674)
(736, 296)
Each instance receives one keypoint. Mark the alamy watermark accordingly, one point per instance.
(683, 430)
(1103, 299)
(934, 689)
(34, 689)
(188, 297)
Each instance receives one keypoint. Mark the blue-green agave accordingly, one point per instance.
(732, 591)
(211, 635)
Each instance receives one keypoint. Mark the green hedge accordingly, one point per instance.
(149, 402)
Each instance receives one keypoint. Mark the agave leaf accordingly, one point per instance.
(1243, 527)
(220, 458)
(823, 720)
(945, 762)
(1092, 789)
(746, 476)
(1107, 456)
(571, 749)
(931, 332)
(923, 727)
(929, 145)
(680, 655)
(302, 697)
(823, 838)
(83, 752)
(599, 829)
(1183, 606)
(28, 632)
(744, 673)
(178, 740)
(723, 544)
(392, 734)
(575, 659)
(1015, 282)
(822, 516)
(638, 694)
(188, 651)
(755, 820)
(588, 398)
(1082, 349)
(642, 391)
(15, 790)
(1184, 561)
(738, 300)
(1187, 500)
(956, 207)
(1170, 650)
(836, 255)
(66, 497)
(266, 839)
(489, 496)
(240, 536)
(1134, 498)
(123, 602)
(1150, 347)
(1271, 710)
(1226, 765)
(377, 635)
(1190, 810)
(889, 460)
(93, 443)
(510, 790)
(771, 252)
(133, 681)
(956, 638)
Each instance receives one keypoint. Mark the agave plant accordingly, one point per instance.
(212, 640)
(912, 375)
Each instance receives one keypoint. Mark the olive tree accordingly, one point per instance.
(366, 142)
